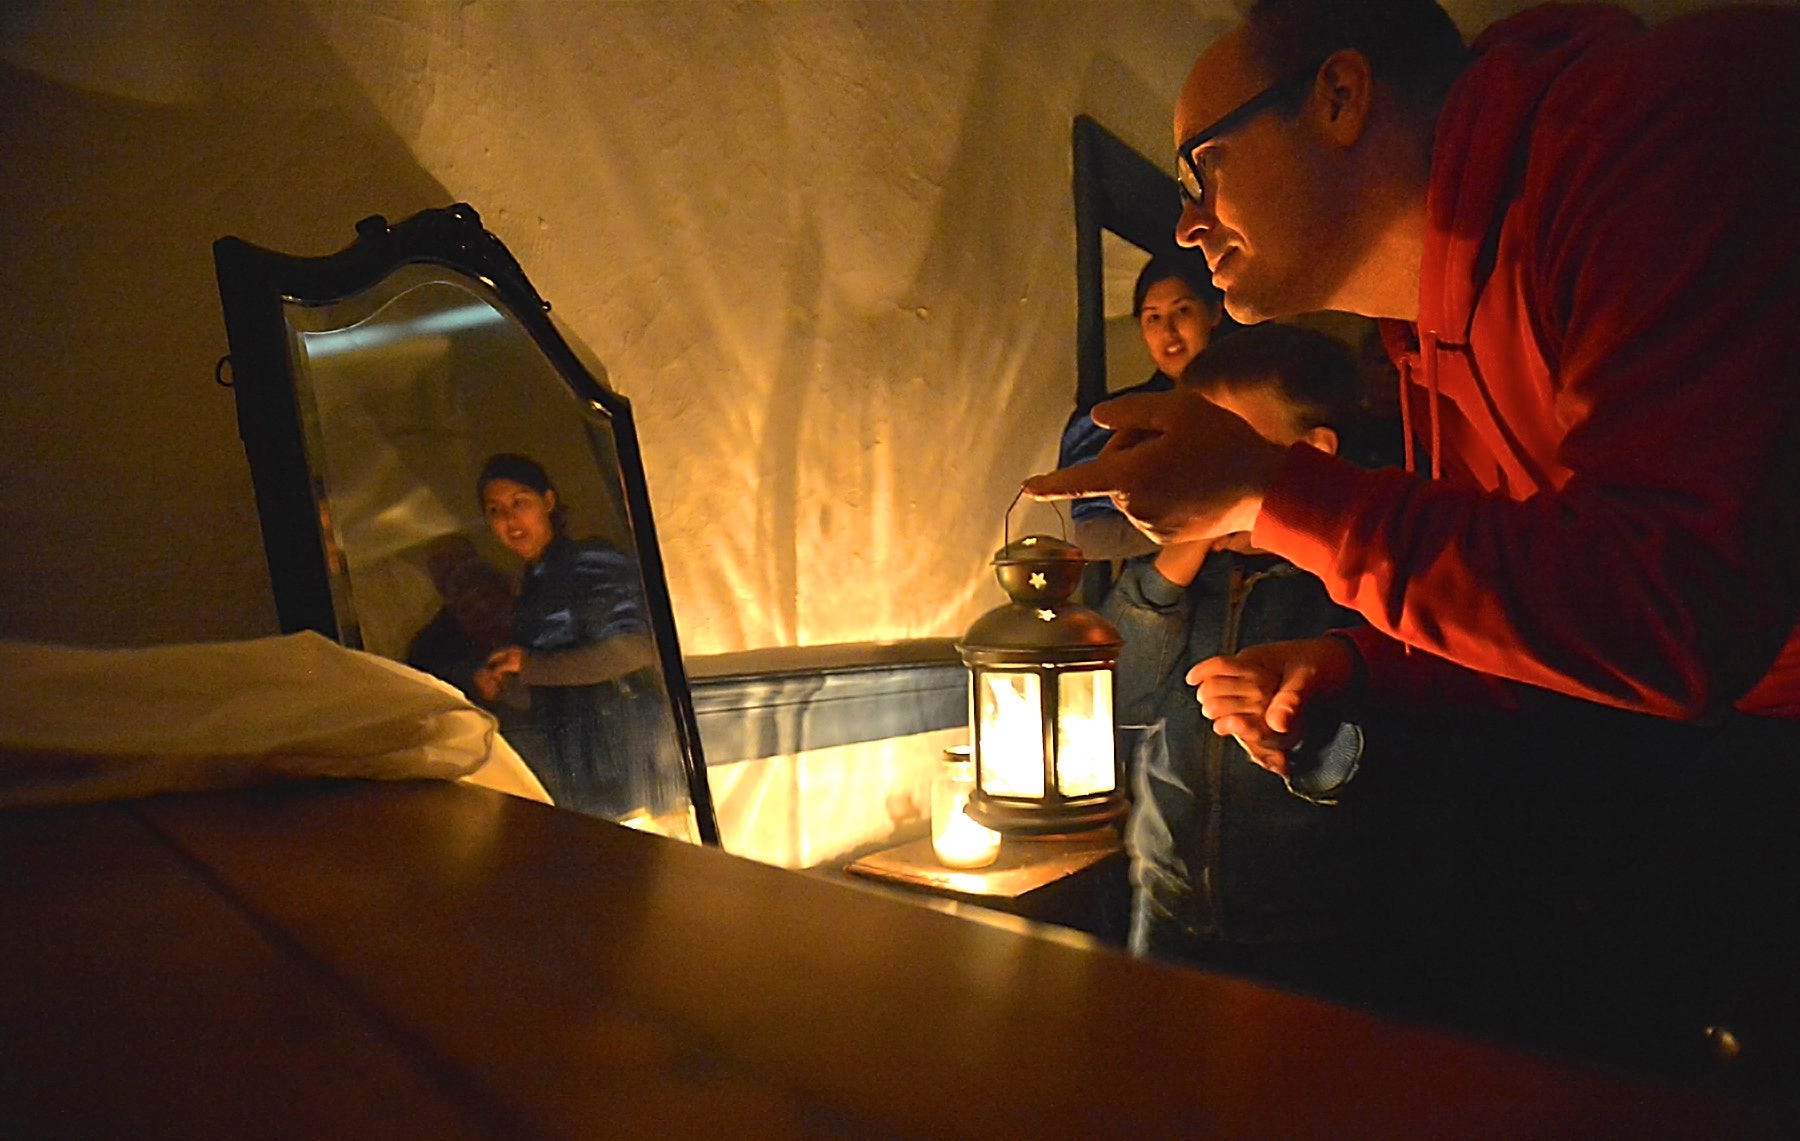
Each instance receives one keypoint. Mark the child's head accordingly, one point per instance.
(480, 599)
(1290, 384)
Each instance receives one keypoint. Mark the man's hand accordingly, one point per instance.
(1259, 695)
(1178, 466)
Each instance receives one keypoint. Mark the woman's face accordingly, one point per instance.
(519, 516)
(1176, 325)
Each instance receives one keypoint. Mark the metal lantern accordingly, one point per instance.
(1040, 698)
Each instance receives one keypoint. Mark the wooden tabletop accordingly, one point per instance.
(433, 960)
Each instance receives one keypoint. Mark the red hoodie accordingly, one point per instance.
(1605, 368)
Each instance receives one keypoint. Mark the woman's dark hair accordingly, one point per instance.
(1189, 267)
(521, 470)
(1313, 372)
(1412, 45)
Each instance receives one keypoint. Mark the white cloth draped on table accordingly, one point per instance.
(80, 725)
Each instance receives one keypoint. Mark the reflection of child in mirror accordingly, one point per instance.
(602, 731)
(474, 621)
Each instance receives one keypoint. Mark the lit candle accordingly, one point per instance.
(1012, 756)
(1084, 762)
(962, 843)
(957, 838)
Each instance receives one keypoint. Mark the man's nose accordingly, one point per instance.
(1195, 220)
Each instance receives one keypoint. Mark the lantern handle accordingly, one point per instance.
(1006, 526)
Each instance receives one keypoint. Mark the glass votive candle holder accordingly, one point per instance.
(957, 838)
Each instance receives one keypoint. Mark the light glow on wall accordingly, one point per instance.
(810, 808)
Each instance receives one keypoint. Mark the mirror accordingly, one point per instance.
(1126, 209)
(1127, 359)
(442, 481)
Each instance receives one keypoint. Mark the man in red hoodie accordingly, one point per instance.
(1587, 257)
(1582, 240)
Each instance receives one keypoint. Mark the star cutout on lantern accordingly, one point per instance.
(1028, 541)
(1047, 615)
(1038, 580)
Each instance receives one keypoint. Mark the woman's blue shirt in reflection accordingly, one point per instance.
(580, 591)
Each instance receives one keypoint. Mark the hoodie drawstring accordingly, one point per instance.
(1406, 429)
(1428, 351)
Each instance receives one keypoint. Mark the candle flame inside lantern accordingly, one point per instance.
(1012, 755)
(1012, 735)
(1084, 730)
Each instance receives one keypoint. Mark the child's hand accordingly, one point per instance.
(1260, 694)
(491, 677)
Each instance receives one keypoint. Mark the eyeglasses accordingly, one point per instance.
(1190, 167)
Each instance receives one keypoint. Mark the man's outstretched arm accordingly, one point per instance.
(1179, 467)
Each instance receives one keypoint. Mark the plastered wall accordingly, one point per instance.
(826, 248)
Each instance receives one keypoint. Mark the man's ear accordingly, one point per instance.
(1344, 92)
(1323, 437)
(550, 499)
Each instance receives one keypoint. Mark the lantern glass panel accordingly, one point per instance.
(1084, 733)
(1012, 733)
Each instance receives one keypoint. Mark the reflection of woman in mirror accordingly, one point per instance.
(603, 740)
(1177, 308)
